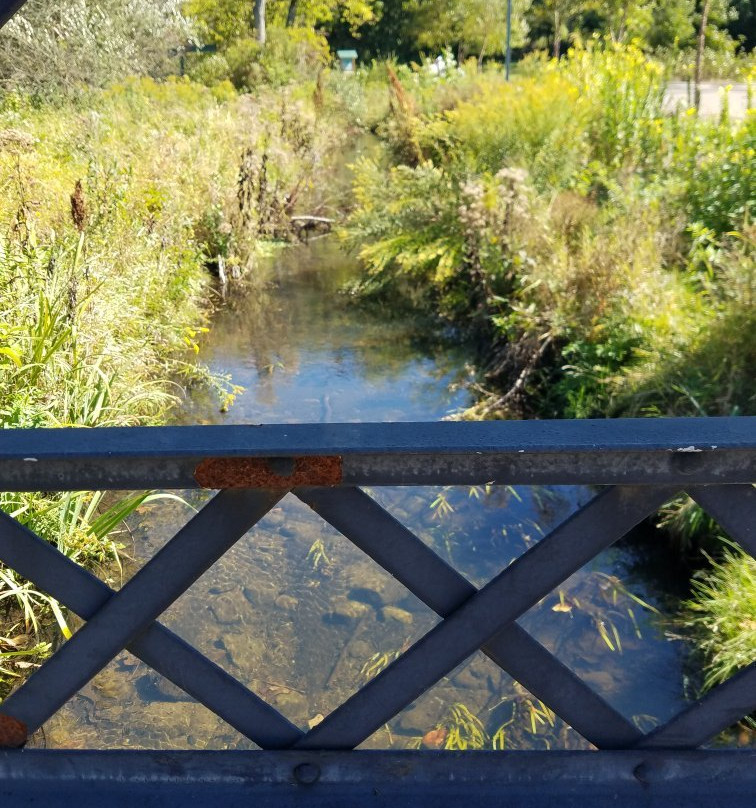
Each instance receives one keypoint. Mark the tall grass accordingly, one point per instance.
(599, 248)
(722, 615)
(114, 204)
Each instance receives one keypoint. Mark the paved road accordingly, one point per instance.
(679, 93)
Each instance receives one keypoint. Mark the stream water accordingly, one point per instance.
(301, 616)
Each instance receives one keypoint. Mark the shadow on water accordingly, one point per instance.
(301, 616)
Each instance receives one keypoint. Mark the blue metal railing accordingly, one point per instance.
(640, 463)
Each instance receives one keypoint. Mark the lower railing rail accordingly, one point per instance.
(641, 464)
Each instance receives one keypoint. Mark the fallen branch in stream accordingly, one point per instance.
(485, 409)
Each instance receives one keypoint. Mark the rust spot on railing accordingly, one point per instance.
(268, 472)
(13, 733)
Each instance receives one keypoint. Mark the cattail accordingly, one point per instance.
(318, 97)
(404, 113)
(79, 207)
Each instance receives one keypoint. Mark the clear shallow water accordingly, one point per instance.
(304, 353)
(301, 616)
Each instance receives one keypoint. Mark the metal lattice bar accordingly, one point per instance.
(734, 508)
(224, 520)
(377, 779)
(715, 712)
(712, 459)
(158, 647)
(565, 550)
(402, 554)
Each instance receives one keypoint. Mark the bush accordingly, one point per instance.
(289, 54)
(592, 292)
(722, 615)
(63, 45)
(533, 123)
(721, 191)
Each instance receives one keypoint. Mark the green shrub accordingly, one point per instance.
(530, 123)
(722, 615)
(721, 192)
(593, 292)
(288, 54)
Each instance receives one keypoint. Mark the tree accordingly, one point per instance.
(473, 26)
(219, 22)
(561, 14)
(700, 47)
(310, 13)
(743, 27)
(672, 23)
(65, 43)
(393, 32)
(627, 19)
(313, 13)
(258, 20)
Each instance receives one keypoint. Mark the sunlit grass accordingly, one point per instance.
(114, 201)
(722, 615)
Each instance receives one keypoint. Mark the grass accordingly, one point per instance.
(722, 615)
(597, 247)
(114, 203)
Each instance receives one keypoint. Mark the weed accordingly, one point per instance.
(317, 556)
(722, 614)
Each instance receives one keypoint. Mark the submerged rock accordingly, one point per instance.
(293, 705)
(422, 716)
(152, 687)
(395, 613)
(287, 603)
(246, 650)
(226, 608)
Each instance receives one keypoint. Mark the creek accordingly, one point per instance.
(301, 616)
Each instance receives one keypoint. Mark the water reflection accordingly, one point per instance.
(305, 354)
(301, 616)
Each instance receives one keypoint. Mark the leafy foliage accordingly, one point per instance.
(723, 615)
(515, 227)
(66, 44)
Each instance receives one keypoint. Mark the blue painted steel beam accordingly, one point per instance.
(646, 451)
(408, 559)
(719, 709)
(8, 8)
(158, 647)
(733, 508)
(445, 437)
(119, 779)
(533, 575)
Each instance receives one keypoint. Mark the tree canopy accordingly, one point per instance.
(96, 41)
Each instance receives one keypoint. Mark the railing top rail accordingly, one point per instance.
(643, 451)
(446, 437)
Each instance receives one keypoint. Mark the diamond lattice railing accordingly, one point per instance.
(646, 462)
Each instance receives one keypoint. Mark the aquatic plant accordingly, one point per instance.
(464, 730)
(317, 555)
(378, 661)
